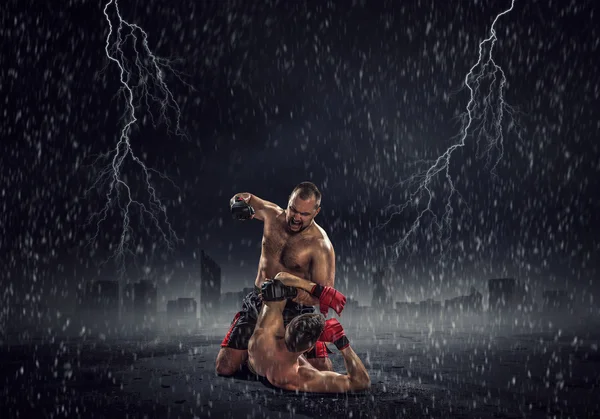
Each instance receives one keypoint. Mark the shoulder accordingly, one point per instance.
(320, 241)
(264, 210)
(273, 211)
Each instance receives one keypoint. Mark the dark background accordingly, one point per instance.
(348, 95)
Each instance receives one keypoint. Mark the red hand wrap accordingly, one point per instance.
(329, 298)
(342, 343)
(332, 332)
(321, 350)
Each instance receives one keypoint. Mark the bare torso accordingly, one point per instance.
(283, 251)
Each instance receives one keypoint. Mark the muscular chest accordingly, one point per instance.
(290, 252)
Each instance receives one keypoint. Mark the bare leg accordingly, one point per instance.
(229, 361)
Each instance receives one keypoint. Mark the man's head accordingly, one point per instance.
(303, 331)
(303, 206)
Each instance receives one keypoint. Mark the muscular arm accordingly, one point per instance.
(312, 380)
(261, 207)
(322, 272)
(269, 328)
(271, 316)
(295, 281)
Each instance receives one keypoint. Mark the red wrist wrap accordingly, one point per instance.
(342, 343)
(317, 290)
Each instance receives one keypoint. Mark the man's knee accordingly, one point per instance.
(224, 368)
(229, 361)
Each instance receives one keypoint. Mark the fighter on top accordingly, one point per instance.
(292, 242)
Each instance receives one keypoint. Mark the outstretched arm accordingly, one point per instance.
(327, 297)
(295, 281)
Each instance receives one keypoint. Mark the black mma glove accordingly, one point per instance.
(240, 210)
(274, 290)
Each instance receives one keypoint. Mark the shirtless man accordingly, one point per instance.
(292, 242)
(276, 352)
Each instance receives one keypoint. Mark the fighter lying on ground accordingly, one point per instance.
(276, 352)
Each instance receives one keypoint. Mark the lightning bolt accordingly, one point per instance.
(483, 119)
(151, 89)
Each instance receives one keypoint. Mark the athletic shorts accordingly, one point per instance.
(244, 322)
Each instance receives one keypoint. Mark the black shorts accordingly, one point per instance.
(245, 320)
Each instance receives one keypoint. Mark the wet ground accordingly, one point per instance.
(417, 371)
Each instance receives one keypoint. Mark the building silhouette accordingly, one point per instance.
(472, 303)
(382, 287)
(144, 300)
(430, 307)
(232, 301)
(508, 294)
(182, 279)
(210, 285)
(196, 277)
(406, 308)
(182, 309)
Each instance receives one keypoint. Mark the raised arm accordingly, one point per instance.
(271, 315)
(274, 295)
(269, 328)
(260, 207)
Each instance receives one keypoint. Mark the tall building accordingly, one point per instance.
(179, 279)
(472, 303)
(210, 284)
(182, 308)
(144, 299)
(232, 301)
(430, 307)
(382, 289)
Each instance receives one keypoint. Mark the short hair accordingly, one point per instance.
(307, 190)
(303, 332)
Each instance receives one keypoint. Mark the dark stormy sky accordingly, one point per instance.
(349, 95)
